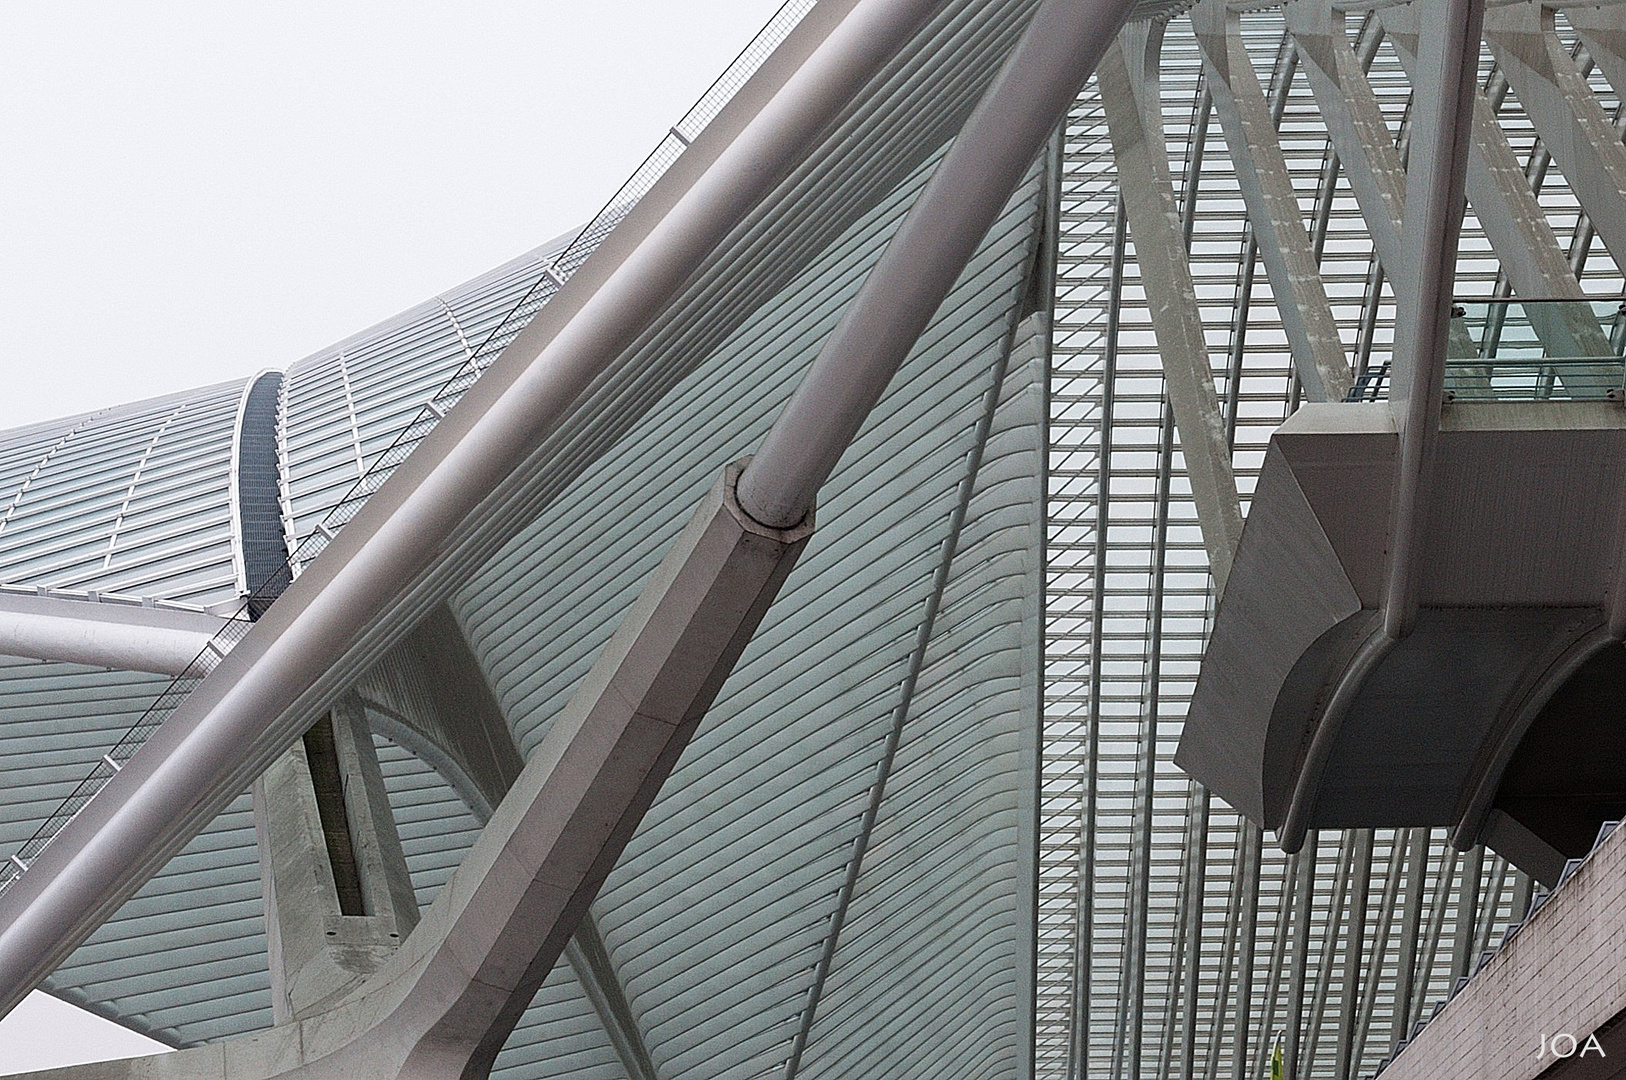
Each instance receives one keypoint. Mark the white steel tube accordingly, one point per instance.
(124, 638)
(1028, 98)
(238, 720)
(1448, 67)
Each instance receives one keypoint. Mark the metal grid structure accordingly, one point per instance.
(1174, 939)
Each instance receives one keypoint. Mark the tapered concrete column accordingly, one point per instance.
(338, 897)
(462, 492)
(443, 1004)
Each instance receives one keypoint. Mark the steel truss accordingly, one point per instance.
(1174, 939)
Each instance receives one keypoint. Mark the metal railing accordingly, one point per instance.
(1527, 350)
(549, 281)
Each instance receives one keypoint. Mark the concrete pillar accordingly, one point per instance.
(338, 898)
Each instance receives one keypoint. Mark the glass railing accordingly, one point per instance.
(1527, 350)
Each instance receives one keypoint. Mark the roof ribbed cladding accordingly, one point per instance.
(56, 720)
(185, 958)
(344, 406)
(915, 988)
(716, 913)
(130, 500)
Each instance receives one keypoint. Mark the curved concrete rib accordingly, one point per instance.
(1549, 675)
(163, 641)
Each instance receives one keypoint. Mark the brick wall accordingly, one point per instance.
(1565, 971)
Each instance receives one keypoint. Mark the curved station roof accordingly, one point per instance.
(931, 825)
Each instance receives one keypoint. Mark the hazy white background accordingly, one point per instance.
(192, 192)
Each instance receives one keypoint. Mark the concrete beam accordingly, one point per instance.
(1497, 187)
(1128, 77)
(1567, 115)
(161, 640)
(338, 896)
(1273, 208)
(1366, 150)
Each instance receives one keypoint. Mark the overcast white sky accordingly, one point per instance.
(195, 191)
(192, 192)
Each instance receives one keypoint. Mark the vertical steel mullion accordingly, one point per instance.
(1488, 909)
(1406, 974)
(1463, 934)
(1228, 948)
(1147, 781)
(1248, 934)
(1431, 943)
(1524, 889)
(1329, 952)
(1354, 956)
(1194, 930)
(1174, 996)
(1380, 943)
(1282, 929)
(1084, 936)
(1303, 903)
(1194, 167)
(1239, 331)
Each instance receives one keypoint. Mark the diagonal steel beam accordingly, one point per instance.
(1273, 207)
(1128, 78)
(1566, 113)
(455, 497)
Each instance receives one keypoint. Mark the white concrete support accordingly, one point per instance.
(1366, 150)
(1273, 208)
(453, 500)
(1497, 187)
(125, 637)
(1128, 77)
(338, 897)
(1567, 115)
